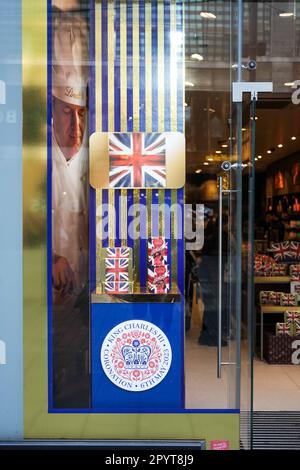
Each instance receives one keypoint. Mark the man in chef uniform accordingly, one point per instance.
(70, 229)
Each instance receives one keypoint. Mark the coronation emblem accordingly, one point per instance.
(136, 355)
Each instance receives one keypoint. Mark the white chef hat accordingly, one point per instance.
(70, 56)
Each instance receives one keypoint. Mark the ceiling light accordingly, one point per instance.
(198, 171)
(197, 57)
(259, 156)
(189, 84)
(256, 159)
(289, 84)
(210, 159)
(293, 138)
(254, 118)
(218, 151)
(224, 146)
(205, 163)
(244, 129)
(269, 151)
(286, 14)
(186, 105)
(208, 15)
(280, 146)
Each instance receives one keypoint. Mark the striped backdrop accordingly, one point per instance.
(139, 86)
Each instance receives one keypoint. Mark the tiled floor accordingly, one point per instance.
(276, 387)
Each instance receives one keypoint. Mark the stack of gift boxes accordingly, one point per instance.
(268, 297)
(266, 266)
(116, 270)
(158, 268)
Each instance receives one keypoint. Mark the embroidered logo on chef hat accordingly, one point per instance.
(70, 59)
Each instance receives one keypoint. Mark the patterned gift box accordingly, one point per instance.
(154, 271)
(157, 259)
(296, 328)
(116, 252)
(295, 289)
(118, 287)
(275, 298)
(157, 274)
(263, 265)
(295, 272)
(264, 297)
(281, 251)
(295, 250)
(288, 300)
(159, 288)
(279, 270)
(284, 329)
(264, 259)
(291, 317)
(116, 269)
(157, 246)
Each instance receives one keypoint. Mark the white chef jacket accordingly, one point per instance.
(70, 196)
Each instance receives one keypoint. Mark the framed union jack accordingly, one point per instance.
(137, 160)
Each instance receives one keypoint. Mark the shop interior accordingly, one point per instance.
(210, 141)
(277, 220)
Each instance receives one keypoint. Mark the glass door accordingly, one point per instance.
(213, 270)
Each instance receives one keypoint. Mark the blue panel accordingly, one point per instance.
(11, 326)
(117, 101)
(168, 394)
(143, 240)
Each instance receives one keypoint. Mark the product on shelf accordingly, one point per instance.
(264, 297)
(295, 272)
(275, 298)
(157, 246)
(158, 274)
(263, 265)
(288, 300)
(295, 250)
(291, 317)
(116, 270)
(295, 289)
(279, 270)
(118, 287)
(281, 251)
(296, 328)
(157, 259)
(159, 288)
(284, 329)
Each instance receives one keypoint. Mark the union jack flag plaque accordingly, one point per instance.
(137, 160)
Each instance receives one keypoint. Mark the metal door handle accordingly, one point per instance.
(220, 273)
